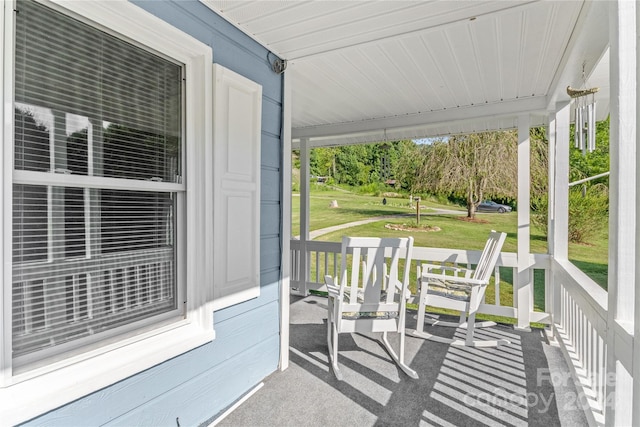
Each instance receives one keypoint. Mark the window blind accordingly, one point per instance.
(89, 261)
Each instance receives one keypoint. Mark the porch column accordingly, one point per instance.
(304, 213)
(523, 294)
(285, 223)
(622, 214)
(636, 321)
(558, 209)
(551, 180)
(559, 181)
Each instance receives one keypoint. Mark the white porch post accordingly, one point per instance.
(304, 213)
(524, 283)
(551, 179)
(622, 213)
(285, 224)
(559, 182)
(636, 321)
(558, 209)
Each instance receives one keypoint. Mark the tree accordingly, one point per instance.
(405, 160)
(594, 163)
(474, 166)
(363, 164)
(589, 203)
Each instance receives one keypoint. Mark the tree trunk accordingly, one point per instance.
(471, 207)
(471, 210)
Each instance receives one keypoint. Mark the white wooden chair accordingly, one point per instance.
(370, 297)
(458, 289)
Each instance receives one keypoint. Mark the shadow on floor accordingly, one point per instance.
(510, 385)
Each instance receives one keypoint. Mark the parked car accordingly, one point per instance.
(491, 206)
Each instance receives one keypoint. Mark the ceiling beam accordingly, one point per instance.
(504, 108)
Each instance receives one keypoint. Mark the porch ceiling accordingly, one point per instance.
(366, 71)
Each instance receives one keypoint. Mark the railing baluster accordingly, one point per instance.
(548, 298)
(326, 263)
(294, 265)
(112, 291)
(588, 355)
(583, 340)
(76, 298)
(446, 257)
(602, 356)
(497, 286)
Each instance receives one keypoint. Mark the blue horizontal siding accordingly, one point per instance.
(231, 48)
(222, 360)
(197, 400)
(270, 191)
(271, 150)
(269, 220)
(199, 384)
(268, 293)
(271, 117)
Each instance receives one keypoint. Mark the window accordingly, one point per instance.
(95, 251)
(107, 164)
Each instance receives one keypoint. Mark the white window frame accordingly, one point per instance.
(34, 392)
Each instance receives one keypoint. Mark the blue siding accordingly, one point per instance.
(199, 384)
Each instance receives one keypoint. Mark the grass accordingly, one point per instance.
(351, 207)
(591, 258)
(455, 234)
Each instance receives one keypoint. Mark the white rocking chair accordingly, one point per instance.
(374, 299)
(458, 289)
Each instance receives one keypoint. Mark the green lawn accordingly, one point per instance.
(351, 207)
(455, 234)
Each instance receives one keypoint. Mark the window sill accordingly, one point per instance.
(39, 391)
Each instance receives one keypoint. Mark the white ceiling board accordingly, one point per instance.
(366, 66)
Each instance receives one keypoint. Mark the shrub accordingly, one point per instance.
(374, 189)
(588, 212)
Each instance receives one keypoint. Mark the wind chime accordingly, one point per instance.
(584, 105)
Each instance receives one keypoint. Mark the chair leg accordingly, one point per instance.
(399, 359)
(334, 355)
(422, 297)
(472, 307)
(471, 342)
(332, 341)
(466, 322)
(476, 297)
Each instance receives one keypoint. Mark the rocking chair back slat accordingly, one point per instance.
(372, 269)
(460, 292)
(489, 256)
(372, 295)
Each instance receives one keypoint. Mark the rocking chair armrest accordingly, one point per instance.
(332, 289)
(399, 285)
(428, 268)
(453, 279)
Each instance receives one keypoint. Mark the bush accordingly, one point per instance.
(588, 212)
(375, 189)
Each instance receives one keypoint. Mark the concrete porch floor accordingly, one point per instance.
(524, 383)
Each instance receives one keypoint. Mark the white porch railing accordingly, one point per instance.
(324, 258)
(580, 325)
(573, 303)
(53, 301)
